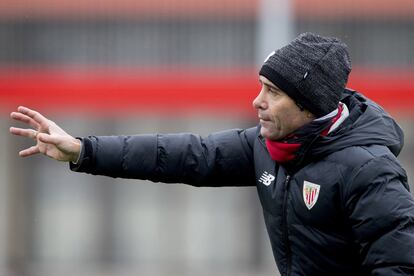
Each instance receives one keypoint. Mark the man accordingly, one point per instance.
(335, 199)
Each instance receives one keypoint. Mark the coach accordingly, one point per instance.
(335, 198)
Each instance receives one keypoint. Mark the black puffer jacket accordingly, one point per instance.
(356, 219)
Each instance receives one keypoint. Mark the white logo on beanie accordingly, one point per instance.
(271, 54)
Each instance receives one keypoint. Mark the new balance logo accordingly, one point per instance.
(266, 178)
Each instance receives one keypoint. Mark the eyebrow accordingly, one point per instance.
(269, 84)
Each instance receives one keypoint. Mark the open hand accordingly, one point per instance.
(50, 139)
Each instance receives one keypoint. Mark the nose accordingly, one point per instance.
(259, 102)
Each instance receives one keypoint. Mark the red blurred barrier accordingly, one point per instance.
(162, 91)
(129, 91)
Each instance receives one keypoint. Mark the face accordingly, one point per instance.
(278, 113)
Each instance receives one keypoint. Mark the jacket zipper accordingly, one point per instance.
(285, 228)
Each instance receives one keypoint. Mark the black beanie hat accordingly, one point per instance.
(313, 70)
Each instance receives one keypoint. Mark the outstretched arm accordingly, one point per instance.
(221, 159)
(51, 140)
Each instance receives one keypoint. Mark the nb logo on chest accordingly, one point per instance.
(266, 178)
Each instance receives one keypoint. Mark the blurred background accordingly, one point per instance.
(128, 67)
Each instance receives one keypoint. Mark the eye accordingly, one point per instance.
(274, 91)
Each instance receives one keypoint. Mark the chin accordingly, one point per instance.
(268, 134)
(265, 133)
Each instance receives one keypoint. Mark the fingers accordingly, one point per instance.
(48, 139)
(24, 119)
(30, 133)
(30, 151)
(36, 116)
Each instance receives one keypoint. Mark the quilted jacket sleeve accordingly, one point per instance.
(221, 159)
(381, 212)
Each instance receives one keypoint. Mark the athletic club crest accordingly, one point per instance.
(310, 193)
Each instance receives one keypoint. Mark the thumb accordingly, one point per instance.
(48, 139)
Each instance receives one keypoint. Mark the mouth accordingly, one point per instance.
(264, 123)
(263, 118)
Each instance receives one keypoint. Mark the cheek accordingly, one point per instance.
(279, 116)
(285, 120)
(277, 122)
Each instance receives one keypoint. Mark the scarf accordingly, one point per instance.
(296, 143)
